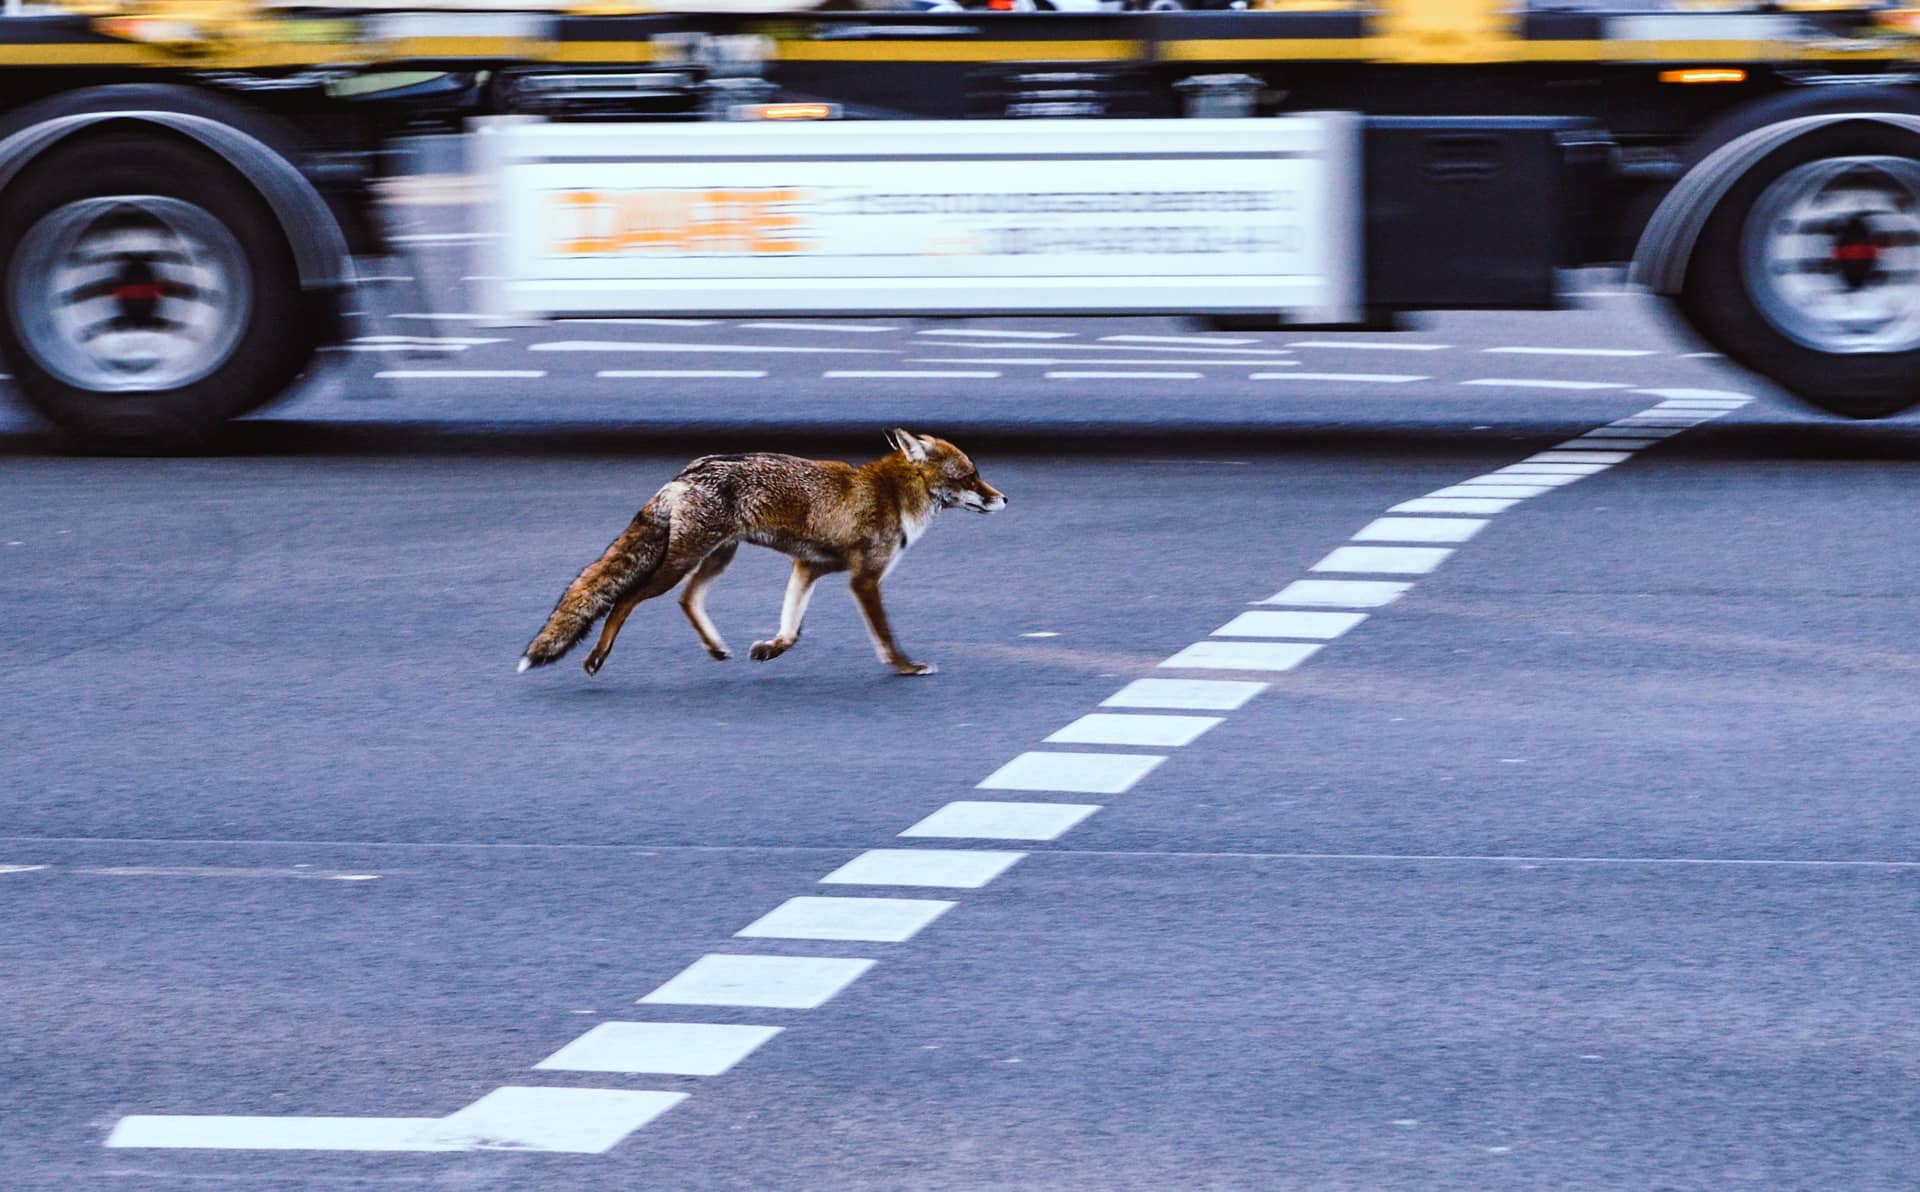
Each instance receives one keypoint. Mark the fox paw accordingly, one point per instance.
(719, 653)
(910, 669)
(593, 663)
(762, 651)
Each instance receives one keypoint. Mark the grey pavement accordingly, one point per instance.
(1590, 863)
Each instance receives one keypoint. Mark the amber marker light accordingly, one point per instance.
(787, 111)
(1703, 74)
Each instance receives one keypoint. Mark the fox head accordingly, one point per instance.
(950, 476)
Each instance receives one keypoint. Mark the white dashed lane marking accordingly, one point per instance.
(1340, 593)
(1386, 560)
(1080, 773)
(1213, 695)
(621, 374)
(1572, 351)
(1242, 655)
(971, 334)
(1363, 378)
(1207, 340)
(555, 1120)
(1367, 345)
(1420, 529)
(1100, 728)
(855, 328)
(910, 374)
(776, 982)
(961, 869)
(872, 920)
(1131, 376)
(1454, 505)
(1321, 625)
(980, 820)
(638, 345)
(659, 1048)
(1538, 383)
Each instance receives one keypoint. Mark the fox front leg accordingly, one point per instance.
(866, 590)
(792, 611)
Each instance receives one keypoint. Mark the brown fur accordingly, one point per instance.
(828, 516)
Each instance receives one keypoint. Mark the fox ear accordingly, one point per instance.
(904, 441)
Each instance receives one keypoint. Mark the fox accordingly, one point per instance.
(827, 515)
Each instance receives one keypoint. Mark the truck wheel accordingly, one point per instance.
(1808, 272)
(147, 293)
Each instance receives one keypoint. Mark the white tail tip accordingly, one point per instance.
(526, 664)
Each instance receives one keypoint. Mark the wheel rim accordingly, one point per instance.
(1831, 254)
(129, 293)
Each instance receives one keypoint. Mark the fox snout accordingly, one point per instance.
(990, 501)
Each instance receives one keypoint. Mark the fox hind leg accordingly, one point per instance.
(693, 601)
(684, 553)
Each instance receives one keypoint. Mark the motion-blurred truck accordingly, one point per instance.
(187, 186)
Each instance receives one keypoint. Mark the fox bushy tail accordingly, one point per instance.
(628, 563)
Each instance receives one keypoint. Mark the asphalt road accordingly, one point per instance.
(1587, 862)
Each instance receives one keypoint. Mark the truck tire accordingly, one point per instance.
(1808, 270)
(147, 294)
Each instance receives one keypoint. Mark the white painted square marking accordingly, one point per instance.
(1453, 505)
(1550, 480)
(1643, 422)
(1503, 491)
(1391, 560)
(1576, 457)
(1243, 655)
(876, 920)
(1420, 529)
(1213, 695)
(1085, 773)
(1325, 626)
(781, 982)
(964, 869)
(1573, 469)
(976, 820)
(1102, 728)
(1628, 432)
(1340, 593)
(668, 1048)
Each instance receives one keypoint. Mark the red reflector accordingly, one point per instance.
(144, 292)
(1856, 252)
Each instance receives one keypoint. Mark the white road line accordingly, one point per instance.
(969, 819)
(422, 349)
(1572, 351)
(1242, 655)
(1388, 560)
(1583, 443)
(1123, 376)
(630, 345)
(1531, 480)
(962, 869)
(1340, 593)
(1420, 529)
(1533, 383)
(1503, 491)
(1130, 362)
(1207, 340)
(956, 334)
(857, 328)
(1322, 626)
(1573, 469)
(1454, 505)
(1626, 432)
(1701, 356)
(779, 982)
(1079, 773)
(1367, 346)
(1574, 457)
(1363, 378)
(455, 374)
(448, 316)
(924, 374)
(660, 1048)
(636, 374)
(1212, 695)
(1165, 349)
(1103, 728)
(553, 1120)
(21, 868)
(872, 920)
(1726, 396)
